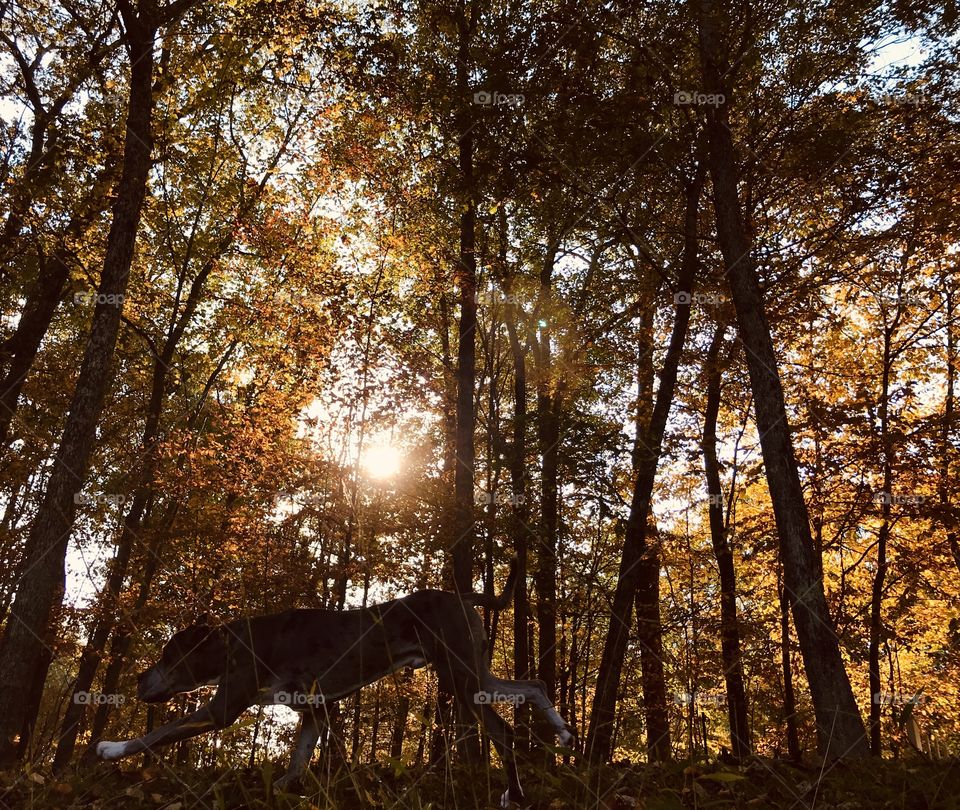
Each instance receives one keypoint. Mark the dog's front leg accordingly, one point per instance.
(307, 737)
(225, 707)
(199, 722)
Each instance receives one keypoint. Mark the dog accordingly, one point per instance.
(305, 658)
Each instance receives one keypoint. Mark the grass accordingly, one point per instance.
(760, 783)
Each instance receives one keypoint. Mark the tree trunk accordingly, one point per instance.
(729, 624)
(464, 526)
(946, 434)
(399, 726)
(883, 536)
(122, 637)
(647, 602)
(375, 726)
(466, 277)
(25, 342)
(42, 586)
(839, 724)
(519, 519)
(650, 637)
(789, 698)
(23, 345)
(631, 571)
(548, 434)
(106, 619)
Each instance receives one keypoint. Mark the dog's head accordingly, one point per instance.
(194, 657)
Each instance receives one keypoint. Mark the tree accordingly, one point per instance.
(719, 536)
(839, 724)
(22, 653)
(634, 544)
(49, 88)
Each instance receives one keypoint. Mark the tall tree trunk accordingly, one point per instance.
(839, 724)
(42, 585)
(23, 345)
(631, 571)
(883, 536)
(548, 435)
(946, 432)
(786, 667)
(106, 619)
(647, 603)
(519, 518)
(729, 624)
(650, 636)
(466, 275)
(375, 726)
(20, 350)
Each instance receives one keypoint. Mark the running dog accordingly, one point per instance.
(306, 658)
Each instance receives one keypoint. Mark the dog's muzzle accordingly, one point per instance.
(152, 687)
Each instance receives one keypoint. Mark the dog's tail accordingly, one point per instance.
(489, 600)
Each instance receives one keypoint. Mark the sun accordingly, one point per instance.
(382, 460)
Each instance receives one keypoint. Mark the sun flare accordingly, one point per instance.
(382, 460)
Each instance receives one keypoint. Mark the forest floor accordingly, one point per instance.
(761, 783)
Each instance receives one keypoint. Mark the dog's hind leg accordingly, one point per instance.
(308, 734)
(501, 733)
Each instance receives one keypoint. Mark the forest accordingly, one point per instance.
(319, 304)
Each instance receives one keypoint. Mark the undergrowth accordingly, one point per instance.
(760, 783)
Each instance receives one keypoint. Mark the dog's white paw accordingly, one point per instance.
(110, 750)
(505, 799)
(565, 737)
